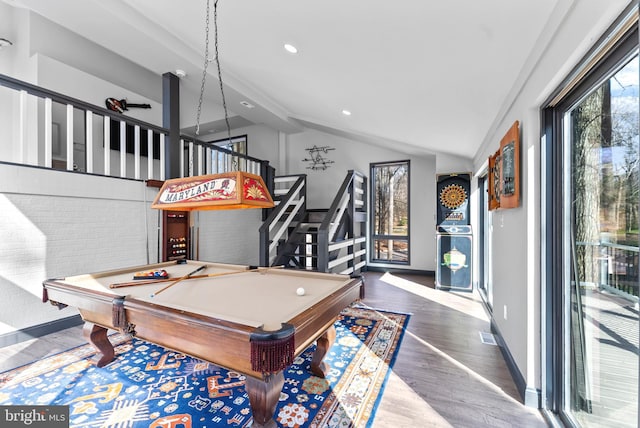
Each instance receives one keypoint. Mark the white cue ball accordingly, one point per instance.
(300, 291)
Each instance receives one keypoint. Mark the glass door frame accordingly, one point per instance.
(484, 243)
(555, 185)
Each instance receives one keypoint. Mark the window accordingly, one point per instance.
(592, 243)
(390, 221)
(237, 145)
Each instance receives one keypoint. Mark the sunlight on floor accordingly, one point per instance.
(16, 348)
(464, 368)
(445, 298)
(396, 387)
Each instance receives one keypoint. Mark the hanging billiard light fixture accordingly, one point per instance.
(223, 191)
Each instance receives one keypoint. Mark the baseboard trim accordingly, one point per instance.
(39, 330)
(531, 397)
(370, 268)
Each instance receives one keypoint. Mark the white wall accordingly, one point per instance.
(62, 78)
(515, 233)
(56, 224)
(229, 236)
(14, 61)
(354, 155)
(447, 164)
(50, 39)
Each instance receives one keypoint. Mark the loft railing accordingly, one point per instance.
(199, 158)
(342, 242)
(48, 129)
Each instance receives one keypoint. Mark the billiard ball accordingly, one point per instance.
(300, 291)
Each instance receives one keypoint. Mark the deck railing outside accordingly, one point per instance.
(619, 269)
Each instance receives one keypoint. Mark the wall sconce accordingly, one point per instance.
(4, 42)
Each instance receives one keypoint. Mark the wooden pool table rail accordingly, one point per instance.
(221, 342)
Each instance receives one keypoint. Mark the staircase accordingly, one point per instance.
(327, 240)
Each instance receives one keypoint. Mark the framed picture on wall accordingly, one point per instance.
(504, 171)
(494, 181)
(510, 167)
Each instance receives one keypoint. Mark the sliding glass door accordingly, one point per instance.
(592, 245)
(601, 250)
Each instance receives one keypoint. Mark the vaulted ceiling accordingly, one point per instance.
(423, 76)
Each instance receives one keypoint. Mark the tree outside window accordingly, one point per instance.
(390, 222)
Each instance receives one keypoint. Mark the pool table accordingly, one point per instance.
(249, 320)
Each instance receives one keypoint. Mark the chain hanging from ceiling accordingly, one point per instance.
(207, 60)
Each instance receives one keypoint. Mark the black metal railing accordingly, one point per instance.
(53, 130)
(619, 268)
(342, 246)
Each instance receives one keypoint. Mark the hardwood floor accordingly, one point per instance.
(444, 376)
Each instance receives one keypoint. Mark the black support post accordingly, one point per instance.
(171, 120)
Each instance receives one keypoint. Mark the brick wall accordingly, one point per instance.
(58, 223)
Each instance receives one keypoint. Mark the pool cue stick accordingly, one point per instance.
(148, 281)
(210, 275)
(178, 280)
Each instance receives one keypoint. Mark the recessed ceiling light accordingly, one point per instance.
(247, 104)
(290, 48)
(346, 112)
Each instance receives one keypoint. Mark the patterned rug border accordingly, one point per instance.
(114, 334)
(86, 351)
(372, 308)
(392, 362)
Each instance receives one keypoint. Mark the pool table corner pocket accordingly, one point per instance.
(272, 351)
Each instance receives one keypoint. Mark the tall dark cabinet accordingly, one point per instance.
(175, 235)
(454, 238)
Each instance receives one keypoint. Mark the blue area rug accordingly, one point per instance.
(151, 386)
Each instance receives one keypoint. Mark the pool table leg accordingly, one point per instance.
(263, 398)
(98, 337)
(324, 342)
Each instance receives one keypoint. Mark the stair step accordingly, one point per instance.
(306, 232)
(316, 215)
(305, 256)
